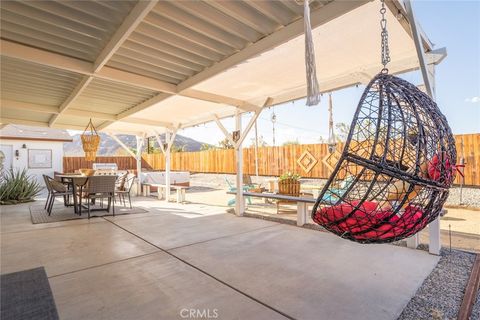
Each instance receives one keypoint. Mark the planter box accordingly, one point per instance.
(289, 187)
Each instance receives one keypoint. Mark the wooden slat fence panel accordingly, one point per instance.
(272, 161)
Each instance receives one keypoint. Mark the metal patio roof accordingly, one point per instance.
(133, 66)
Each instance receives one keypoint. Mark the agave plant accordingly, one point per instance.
(17, 187)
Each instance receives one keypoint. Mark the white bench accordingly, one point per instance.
(302, 203)
(180, 190)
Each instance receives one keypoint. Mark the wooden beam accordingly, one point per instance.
(90, 114)
(319, 17)
(71, 98)
(267, 102)
(148, 122)
(46, 58)
(216, 98)
(225, 131)
(39, 123)
(172, 138)
(11, 104)
(399, 11)
(23, 121)
(417, 39)
(114, 137)
(156, 99)
(471, 291)
(134, 18)
(136, 80)
(55, 60)
(159, 141)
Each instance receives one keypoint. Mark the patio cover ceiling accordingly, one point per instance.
(136, 66)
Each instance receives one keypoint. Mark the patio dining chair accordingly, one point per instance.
(55, 189)
(120, 182)
(99, 187)
(125, 190)
(232, 188)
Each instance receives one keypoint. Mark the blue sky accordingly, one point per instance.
(451, 24)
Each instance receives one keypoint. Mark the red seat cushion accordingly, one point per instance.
(439, 165)
(367, 215)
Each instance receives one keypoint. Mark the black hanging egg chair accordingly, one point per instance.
(395, 170)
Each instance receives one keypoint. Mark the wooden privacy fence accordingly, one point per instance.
(272, 161)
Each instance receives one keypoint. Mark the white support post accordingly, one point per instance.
(301, 213)
(428, 75)
(170, 139)
(239, 199)
(434, 244)
(256, 149)
(167, 167)
(138, 157)
(412, 242)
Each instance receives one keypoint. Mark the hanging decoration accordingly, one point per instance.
(273, 119)
(396, 167)
(332, 141)
(90, 141)
(313, 91)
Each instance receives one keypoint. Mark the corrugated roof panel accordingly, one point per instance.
(25, 115)
(33, 83)
(110, 97)
(70, 28)
(197, 34)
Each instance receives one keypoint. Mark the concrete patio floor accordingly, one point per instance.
(177, 258)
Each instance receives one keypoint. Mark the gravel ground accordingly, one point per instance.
(441, 294)
(476, 309)
(470, 196)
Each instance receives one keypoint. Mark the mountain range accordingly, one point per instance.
(109, 147)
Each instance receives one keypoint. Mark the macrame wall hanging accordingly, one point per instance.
(90, 141)
(397, 165)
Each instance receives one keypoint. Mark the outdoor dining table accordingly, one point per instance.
(77, 182)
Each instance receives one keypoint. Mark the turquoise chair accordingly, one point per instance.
(332, 195)
(231, 188)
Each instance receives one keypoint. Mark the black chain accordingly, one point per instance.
(384, 35)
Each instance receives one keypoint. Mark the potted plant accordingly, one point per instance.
(289, 183)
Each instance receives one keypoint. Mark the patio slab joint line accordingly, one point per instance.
(105, 264)
(207, 274)
(222, 237)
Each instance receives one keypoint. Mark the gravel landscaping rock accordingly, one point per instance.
(470, 197)
(441, 294)
(476, 309)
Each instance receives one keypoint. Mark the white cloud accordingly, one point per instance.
(473, 100)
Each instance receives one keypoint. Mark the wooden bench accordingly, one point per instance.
(162, 190)
(302, 203)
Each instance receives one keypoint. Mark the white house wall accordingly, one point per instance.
(22, 160)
